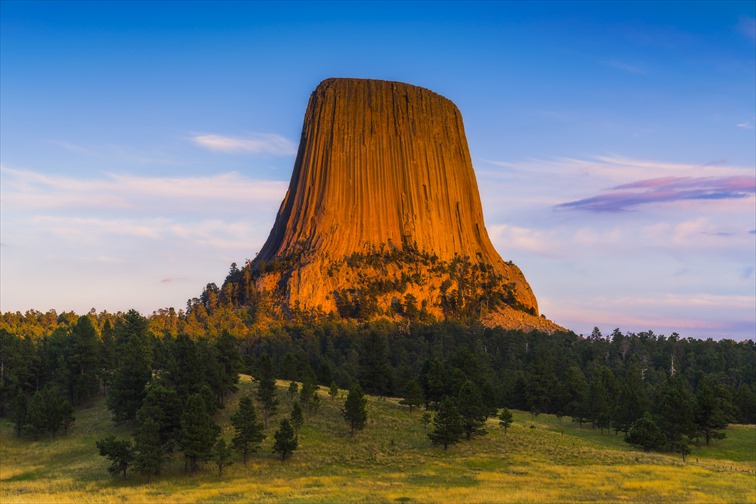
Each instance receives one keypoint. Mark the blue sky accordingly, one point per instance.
(145, 146)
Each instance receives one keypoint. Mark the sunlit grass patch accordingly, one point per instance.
(392, 460)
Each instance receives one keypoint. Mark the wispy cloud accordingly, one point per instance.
(745, 125)
(256, 143)
(33, 191)
(666, 190)
(626, 67)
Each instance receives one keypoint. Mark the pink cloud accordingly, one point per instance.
(666, 190)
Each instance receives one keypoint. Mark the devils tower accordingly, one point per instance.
(383, 217)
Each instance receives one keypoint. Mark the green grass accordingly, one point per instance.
(390, 461)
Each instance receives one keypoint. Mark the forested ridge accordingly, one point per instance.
(167, 374)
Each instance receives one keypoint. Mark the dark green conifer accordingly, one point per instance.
(297, 419)
(413, 395)
(266, 388)
(355, 409)
(505, 419)
(646, 434)
(120, 454)
(198, 432)
(221, 456)
(249, 433)
(285, 440)
(472, 409)
(447, 424)
(149, 450)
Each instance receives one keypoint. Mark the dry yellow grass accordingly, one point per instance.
(391, 461)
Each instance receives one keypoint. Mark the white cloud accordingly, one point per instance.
(745, 125)
(29, 191)
(256, 143)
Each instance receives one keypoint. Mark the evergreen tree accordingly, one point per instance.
(162, 405)
(19, 412)
(505, 419)
(675, 408)
(229, 360)
(355, 409)
(84, 360)
(433, 381)
(646, 434)
(149, 451)
(375, 369)
(630, 403)
(130, 378)
(266, 390)
(108, 356)
(48, 412)
(120, 454)
(249, 433)
(447, 424)
(198, 432)
(308, 394)
(293, 390)
(413, 395)
(714, 408)
(221, 456)
(297, 419)
(425, 419)
(471, 409)
(333, 390)
(186, 368)
(285, 440)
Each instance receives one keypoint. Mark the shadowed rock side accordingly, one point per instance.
(383, 215)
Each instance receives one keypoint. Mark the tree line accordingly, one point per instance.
(662, 393)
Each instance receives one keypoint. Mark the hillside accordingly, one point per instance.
(540, 459)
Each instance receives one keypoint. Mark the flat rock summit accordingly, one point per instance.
(383, 218)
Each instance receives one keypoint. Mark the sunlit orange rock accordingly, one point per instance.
(383, 203)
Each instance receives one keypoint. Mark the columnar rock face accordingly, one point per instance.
(382, 204)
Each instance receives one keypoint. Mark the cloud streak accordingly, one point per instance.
(665, 190)
(256, 143)
(26, 190)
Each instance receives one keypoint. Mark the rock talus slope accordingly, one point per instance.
(383, 203)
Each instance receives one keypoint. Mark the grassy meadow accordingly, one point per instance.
(540, 459)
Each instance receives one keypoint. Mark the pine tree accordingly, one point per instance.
(505, 419)
(150, 453)
(229, 360)
(293, 389)
(425, 419)
(198, 432)
(266, 391)
(19, 412)
(471, 409)
(162, 405)
(297, 419)
(355, 409)
(249, 433)
(447, 424)
(714, 409)
(84, 360)
(130, 378)
(413, 395)
(675, 408)
(308, 392)
(285, 440)
(333, 390)
(221, 456)
(646, 434)
(120, 454)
